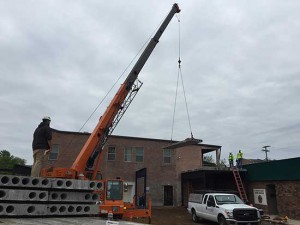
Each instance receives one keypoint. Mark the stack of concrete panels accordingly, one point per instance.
(33, 196)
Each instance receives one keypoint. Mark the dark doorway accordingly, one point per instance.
(140, 188)
(168, 195)
(271, 199)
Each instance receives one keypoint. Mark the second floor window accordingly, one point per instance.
(128, 154)
(54, 152)
(111, 153)
(167, 155)
(139, 154)
(134, 154)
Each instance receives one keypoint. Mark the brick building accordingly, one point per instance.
(164, 160)
(275, 186)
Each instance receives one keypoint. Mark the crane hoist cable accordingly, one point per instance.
(179, 74)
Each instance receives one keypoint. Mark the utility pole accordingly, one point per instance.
(266, 151)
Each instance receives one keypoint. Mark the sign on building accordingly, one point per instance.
(260, 196)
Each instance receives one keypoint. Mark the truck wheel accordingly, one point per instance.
(195, 218)
(222, 220)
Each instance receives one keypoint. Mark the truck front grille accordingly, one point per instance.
(245, 214)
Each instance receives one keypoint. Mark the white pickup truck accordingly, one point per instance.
(225, 209)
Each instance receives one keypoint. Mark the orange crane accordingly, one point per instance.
(87, 162)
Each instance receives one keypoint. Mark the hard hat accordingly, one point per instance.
(47, 118)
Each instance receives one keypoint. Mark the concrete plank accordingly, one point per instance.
(62, 221)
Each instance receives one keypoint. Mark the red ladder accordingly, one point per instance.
(239, 184)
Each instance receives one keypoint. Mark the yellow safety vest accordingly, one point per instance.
(239, 155)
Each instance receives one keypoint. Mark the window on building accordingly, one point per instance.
(139, 154)
(128, 154)
(167, 155)
(111, 154)
(54, 152)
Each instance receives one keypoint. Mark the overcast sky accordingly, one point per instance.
(240, 67)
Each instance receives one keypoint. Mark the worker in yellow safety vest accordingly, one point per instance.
(239, 159)
(230, 159)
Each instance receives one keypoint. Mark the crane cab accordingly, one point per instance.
(111, 198)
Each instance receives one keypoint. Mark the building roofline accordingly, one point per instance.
(129, 137)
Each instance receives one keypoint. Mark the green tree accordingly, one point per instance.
(8, 161)
(208, 159)
(223, 162)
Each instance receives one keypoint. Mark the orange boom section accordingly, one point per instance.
(105, 121)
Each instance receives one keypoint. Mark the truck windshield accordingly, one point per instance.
(114, 190)
(228, 199)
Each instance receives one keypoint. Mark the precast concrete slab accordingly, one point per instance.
(23, 195)
(72, 209)
(13, 209)
(22, 181)
(64, 221)
(97, 185)
(58, 183)
(38, 196)
(59, 196)
(83, 185)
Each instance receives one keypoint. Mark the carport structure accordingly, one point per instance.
(208, 178)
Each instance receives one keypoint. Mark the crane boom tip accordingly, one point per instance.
(177, 8)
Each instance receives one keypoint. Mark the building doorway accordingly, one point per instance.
(272, 199)
(168, 195)
(140, 188)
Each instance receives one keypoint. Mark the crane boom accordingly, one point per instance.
(98, 137)
(151, 45)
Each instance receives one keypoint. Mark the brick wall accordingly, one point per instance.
(287, 195)
(70, 145)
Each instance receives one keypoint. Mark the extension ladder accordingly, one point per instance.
(239, 184)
